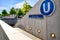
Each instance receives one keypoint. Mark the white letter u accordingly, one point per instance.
(45, 7)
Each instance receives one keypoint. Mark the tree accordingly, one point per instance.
(0, 14)
(26, 7)
(4, 13)
(20, 12)
(8, 14)
(13, 11)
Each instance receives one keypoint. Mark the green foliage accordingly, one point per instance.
(4, 13)
(26, 7)
(12, 11)
(19, 12)
(0, 15)
(8, 14)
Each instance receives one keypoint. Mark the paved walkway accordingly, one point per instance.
(16, 33)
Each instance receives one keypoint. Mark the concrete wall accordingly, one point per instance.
(53, 22)
(3, 36)
(47, 25)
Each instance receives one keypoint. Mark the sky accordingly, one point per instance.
(8, 4)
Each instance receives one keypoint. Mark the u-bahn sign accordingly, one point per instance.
(47, 7)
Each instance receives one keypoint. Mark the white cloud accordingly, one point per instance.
(18, 5)
(1, 8)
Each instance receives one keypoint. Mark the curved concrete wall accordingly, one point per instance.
(3, 36)
(47, 25)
